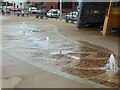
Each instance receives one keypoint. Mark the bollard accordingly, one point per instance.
(56, 15)
(46, 17)
(22, 15)
(18, 14)
(41, 17)
(66, 20)
(3, 13)
(36, 16)
(60, 53)
(27, 15)
(51, 16)
(72, 21)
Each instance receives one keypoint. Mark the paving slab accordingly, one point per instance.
(33, 77)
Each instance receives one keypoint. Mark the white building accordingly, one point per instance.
(18, 4)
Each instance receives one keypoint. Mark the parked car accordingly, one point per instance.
(39, 11)
(72, 16)
(15, 9)
(41, 14)
(33, 10)
(55, 13)
(18, 13)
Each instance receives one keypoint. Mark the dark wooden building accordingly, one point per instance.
(92, 13)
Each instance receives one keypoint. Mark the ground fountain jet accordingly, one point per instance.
(60, 52)
(111, 67)
(23, 23)
(47, 40)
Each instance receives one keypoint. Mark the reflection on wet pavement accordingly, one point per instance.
(28, 40)
(3, 17)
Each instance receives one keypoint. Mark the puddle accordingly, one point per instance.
(3, 17)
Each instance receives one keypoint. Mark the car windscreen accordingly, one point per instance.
(55, 12)
(73, 13)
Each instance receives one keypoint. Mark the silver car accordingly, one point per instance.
(72, 16)
(53, 13)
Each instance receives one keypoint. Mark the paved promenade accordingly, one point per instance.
(19, 74)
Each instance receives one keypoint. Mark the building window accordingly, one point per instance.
(65, 5)
(17, 6)
(116, 4)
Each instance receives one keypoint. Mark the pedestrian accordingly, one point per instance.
(22, 13)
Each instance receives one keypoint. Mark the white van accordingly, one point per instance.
(53, 13)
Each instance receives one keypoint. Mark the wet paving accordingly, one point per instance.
(43, 45)
(3, 17)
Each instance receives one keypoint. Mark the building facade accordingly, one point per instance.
(66, 6)
(16, 4)
(20, 5)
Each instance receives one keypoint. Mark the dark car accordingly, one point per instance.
(41, 14)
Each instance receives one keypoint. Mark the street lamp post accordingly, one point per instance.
(60, 9)
(21, 6)
(14, 7)
(6, 7)
(2, 8)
